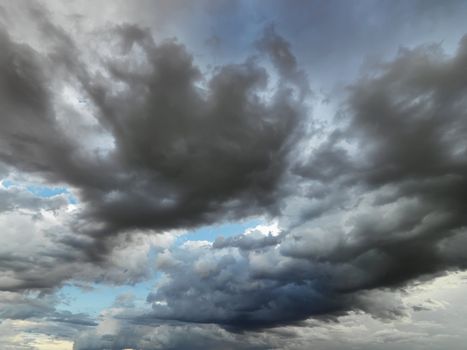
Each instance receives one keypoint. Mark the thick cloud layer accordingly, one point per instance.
(152, 140)
(185, 148)
(404, 216)
(191, 154)
(427, 307)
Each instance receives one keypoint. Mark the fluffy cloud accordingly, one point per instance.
(153, 141)
(404, 220)
(168, 123)
(417, 328)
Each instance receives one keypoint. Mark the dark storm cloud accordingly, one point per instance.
(184, 154)
(410, 123)
(27, 119)
(405, 178)
(220, 152)
(383, 200)
(188, 149)
(238, 291)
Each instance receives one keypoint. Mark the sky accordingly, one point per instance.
(220, 174)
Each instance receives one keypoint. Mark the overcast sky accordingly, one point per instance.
(233, 175)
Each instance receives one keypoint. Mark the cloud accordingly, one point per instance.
(404, 223)
(420, 329)
(279, 51)
(14, 198)
(40, 252)
(168, 122)
(171, 145)
(32, 321)
(254, 240)
(167, 337)
(151, 140)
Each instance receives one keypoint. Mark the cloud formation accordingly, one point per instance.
(406, 186)
(150, 139)
(168, 125)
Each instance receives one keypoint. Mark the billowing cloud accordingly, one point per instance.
(404, 222)
(147, 138)
(419, 329)
(168, 125)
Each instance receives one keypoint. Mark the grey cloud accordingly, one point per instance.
(247, 242)
(18, 306)
(174, 337)
(278, 49)
(238, 291)
(172, 146)
(38, 250)
(24, 306)
(405, 223)
(410, 123)
(160, 173)
(383, 203)
(26, 319)
(73, 319)
(14, 199)
(182, 156)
